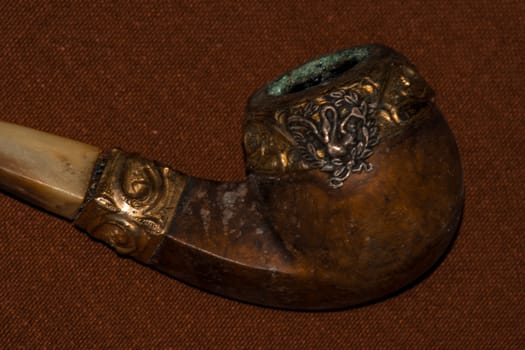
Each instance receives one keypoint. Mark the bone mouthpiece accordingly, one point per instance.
(46, 170)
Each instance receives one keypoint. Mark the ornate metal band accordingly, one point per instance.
(337, 128)
(132, 205)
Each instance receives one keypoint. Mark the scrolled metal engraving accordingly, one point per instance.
(133, 204)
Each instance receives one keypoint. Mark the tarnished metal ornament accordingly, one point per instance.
(336, 134)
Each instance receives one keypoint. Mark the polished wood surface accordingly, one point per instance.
(292, 242)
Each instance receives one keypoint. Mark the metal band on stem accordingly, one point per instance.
(132, 205)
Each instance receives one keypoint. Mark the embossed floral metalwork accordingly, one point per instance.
(335, 127)
(336, 134)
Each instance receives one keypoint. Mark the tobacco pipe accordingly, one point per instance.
(353, 190)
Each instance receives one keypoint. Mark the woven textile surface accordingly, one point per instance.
(170, 80)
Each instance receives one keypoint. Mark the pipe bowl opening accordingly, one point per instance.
(318, 71)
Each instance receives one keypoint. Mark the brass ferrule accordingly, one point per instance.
(132, 204)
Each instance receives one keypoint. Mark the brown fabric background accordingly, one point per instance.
(170, 80)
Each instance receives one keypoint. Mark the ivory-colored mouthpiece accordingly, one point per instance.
(49, 171)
